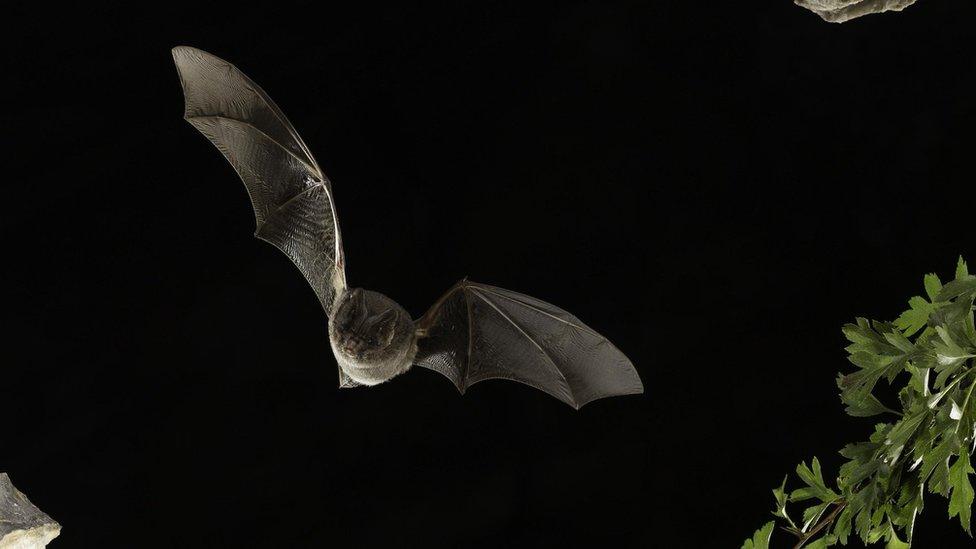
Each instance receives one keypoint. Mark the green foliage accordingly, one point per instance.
(760, 540)
(921, 444)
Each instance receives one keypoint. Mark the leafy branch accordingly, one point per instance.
(927, 354)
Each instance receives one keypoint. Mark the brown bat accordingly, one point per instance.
(471, 333)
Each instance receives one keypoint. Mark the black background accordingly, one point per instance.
(715, 188)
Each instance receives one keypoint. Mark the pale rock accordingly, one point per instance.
(838, 11)
(22, 525)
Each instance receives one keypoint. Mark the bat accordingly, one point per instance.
(472, 333)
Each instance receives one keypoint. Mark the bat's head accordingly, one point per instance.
(372, 336)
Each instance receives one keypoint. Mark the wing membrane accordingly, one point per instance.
(291, 197)
(477, 332)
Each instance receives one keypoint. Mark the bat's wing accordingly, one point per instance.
(291, 196)
(476, 332)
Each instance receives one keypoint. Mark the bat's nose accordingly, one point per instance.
(352, 347)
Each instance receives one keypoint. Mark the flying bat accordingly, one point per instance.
(472, 333)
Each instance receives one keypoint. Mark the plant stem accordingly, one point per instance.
(824, 522)
(965, 404)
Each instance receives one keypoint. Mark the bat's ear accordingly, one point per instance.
(357, 294)
(357, 300)
(385, 324)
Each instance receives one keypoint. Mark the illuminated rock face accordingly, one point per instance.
(22, 525)
(838, 11)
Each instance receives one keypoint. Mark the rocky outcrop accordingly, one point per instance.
(838, 11)
(22, 525)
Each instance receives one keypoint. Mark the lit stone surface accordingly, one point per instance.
(838, 11)
(22, 525)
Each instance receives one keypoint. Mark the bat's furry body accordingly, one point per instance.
(471, 333)
(372, 336)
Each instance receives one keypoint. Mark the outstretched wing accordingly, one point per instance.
(476, 332)
(291, 196)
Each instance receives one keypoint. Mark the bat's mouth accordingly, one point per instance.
(355, 352)
(358, 348)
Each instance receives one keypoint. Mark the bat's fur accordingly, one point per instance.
(372, 336)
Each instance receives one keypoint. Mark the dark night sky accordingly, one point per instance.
(715, 189)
